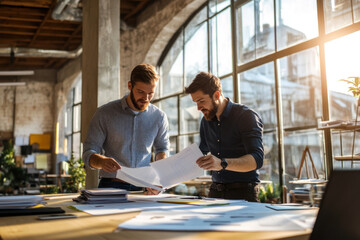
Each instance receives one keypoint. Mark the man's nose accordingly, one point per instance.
(199, 107)
(146, 97)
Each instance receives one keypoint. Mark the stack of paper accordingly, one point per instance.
(102, 195)
(19, 202)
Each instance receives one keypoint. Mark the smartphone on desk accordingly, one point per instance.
(56, 216)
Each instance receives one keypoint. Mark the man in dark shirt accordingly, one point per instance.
(232, 133)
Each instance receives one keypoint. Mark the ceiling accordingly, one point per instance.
(29, 25)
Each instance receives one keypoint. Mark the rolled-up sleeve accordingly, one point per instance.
(94, 139)
(252, 137)
(162, 142)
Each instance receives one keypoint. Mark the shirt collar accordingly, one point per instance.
(227, 109)
(125, 105)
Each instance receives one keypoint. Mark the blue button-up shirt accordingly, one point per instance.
(239, 132)
(125, 135)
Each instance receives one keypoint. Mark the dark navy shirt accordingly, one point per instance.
(239, 132)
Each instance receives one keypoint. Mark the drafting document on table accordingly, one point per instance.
(232, 217)
(166, 172)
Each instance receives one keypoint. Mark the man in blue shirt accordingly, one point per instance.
(123, 132)
(232, 133)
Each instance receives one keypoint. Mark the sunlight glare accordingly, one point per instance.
(342, 61)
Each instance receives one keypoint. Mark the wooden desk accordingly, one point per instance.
(90, 227)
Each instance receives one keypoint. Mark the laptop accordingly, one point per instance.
(339, 213)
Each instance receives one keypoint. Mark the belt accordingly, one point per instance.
(230, 186)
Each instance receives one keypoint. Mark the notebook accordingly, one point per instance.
(339, 213)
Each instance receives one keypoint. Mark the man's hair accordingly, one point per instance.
(206, 82)
(145, 73)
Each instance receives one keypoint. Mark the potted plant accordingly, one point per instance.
(12, 178)
(354, 88)
(77, 179)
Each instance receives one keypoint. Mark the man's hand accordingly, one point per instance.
(209, 162)
(102, 162)
(150, 191)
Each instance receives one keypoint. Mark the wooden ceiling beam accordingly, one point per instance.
(48, 14)
(12, 32)
(50, 20)
(73, 35)
(13, 25)
(30, 3)
(21, 19)
(127, 5)
(137, 9)
(59, 27)
(17, 11)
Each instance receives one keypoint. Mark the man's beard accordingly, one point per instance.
(136, 105)
(211, 113)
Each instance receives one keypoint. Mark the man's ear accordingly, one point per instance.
(129, 85)
(216, 95)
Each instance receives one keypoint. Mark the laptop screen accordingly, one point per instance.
(339, 213)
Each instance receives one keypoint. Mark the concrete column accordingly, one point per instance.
(100, 63)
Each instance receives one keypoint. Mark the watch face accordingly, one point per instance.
(224, 163)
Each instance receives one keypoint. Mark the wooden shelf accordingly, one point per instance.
(347, 158)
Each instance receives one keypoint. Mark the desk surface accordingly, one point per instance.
(102, 227)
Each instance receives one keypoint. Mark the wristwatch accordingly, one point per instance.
(224, 163)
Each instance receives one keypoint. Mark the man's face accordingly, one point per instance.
(141, 94)
(205, 104)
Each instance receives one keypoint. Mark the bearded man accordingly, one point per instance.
(123, 132)
(232, 134)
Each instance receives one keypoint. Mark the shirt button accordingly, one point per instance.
(218, 124)
(218, 154)
(218, 140)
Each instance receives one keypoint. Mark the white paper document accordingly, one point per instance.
(238, 216)
(166, 172)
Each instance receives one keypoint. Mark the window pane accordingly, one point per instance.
(342, 145)
(172, 146)
(257, 91)
(170, 107)
(337, 14)
(77, 90)
(269, 170)
(356, 7)
(187, 140)
(255, 30)
(76, 145)
(77, 118)
(294, 146)
(228, 87)
(294, 28)
(221, 43)
(217, 5)
(301, 88)
(68, 146)
(189, 115)
(245, 32)
(68, 121)
(342, 62)
(171, 70)
(196, 47)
